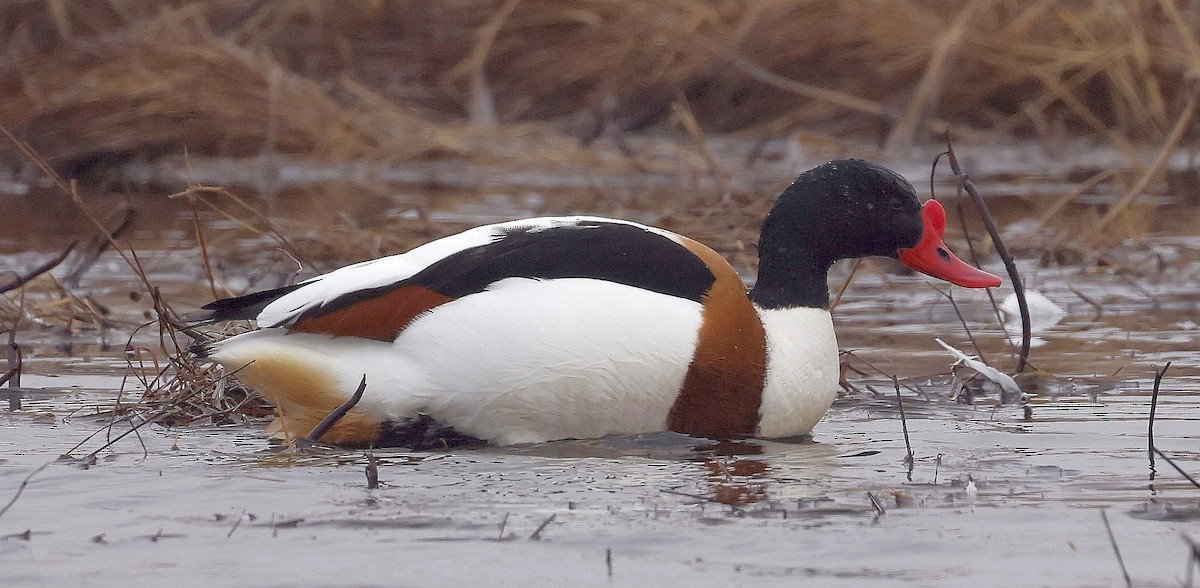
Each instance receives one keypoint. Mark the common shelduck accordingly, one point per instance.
(579, 327)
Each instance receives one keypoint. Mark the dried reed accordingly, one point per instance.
(405, 79)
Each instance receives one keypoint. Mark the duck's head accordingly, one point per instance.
(851, 208)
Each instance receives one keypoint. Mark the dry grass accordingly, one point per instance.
(407, 80)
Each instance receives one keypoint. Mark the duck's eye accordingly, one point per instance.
(898, 205)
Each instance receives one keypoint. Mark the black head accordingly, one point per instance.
(850, 208)
(844, 208)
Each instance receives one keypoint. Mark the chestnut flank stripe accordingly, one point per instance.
(722, 391)
(381, 317)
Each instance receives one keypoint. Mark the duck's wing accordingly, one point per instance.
(377, 299)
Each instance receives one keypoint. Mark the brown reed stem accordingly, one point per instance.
(986, 215)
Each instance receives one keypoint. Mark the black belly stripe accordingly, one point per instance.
(421, 433)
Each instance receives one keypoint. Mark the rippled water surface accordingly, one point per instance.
(996, 495)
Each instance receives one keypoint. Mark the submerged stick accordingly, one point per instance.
(1009, 264)
(1158, 376)
(332, 418)
(908, 459)
(1117, 550)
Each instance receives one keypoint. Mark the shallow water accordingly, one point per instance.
(995, 496)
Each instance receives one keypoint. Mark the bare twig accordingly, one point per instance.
(537, 533)
(1168, 459)
(1194, 562)
(503, 525)
(1117, 550)
(5, 378)
(372, 470)
(879, 510)
(13, 359)
(949, 294)
(115, 223)
(1158, 376)
(236, 524)
(962, 223)
(21, 488)
(1009, 264)
(22, 279)
(332, 418)
(908, 457)
(846, 284)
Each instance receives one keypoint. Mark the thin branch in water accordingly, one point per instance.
(1168, 459)
(236, 524)
(537, 533)
(700, 497)
(21, 488)
(949, 294)
(962, 222)
(1194, 562)
(4, 380)
(986, 215)
(503, 525)
(1158, 376)
(314, 436)
(879, 510)
(22, 279)
(1117, 550)
(851, 353)
(908, 457)
(116, 224)
(1091, 302)
(372, 470)
(15, 362)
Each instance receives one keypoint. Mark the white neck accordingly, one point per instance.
(802, 370)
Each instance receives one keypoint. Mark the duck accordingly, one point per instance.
(580, 327)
